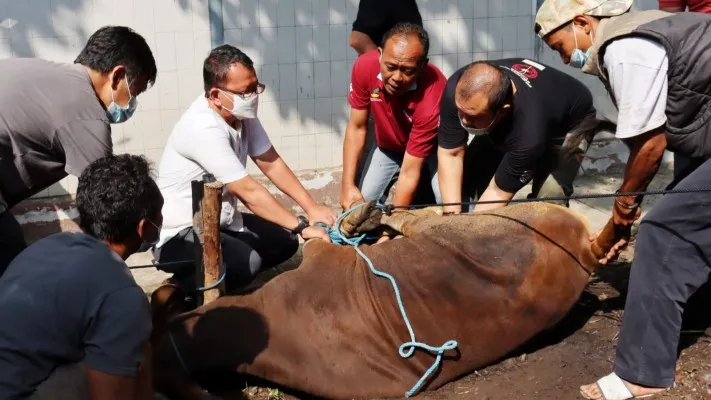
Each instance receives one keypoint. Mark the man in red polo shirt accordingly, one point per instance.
(702, 6)
(402, 90)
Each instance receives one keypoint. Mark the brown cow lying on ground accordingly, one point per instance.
(331, 328)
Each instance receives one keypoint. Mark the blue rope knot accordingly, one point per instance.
(407, 349)
(411, 346)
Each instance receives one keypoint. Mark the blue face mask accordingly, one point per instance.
(578, 58)
(118, 114)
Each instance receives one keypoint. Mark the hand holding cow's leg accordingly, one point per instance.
(408, 222)
(368, 218)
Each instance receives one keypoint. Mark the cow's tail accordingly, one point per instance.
(580, 138)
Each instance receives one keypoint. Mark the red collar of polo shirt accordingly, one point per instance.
(412, 88)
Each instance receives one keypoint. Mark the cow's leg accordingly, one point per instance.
(169, 377)
(409, 222)
(368, 218)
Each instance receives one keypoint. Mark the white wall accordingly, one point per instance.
(300, 48)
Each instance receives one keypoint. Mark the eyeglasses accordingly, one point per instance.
(244, 95)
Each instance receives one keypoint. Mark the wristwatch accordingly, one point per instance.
(303, 224)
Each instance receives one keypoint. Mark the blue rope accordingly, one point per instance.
(214, 285)
(407, 349)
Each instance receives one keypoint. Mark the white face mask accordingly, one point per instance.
(478, 131)
(243, 108)
(474, 131)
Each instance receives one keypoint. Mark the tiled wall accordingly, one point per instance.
(300, 48)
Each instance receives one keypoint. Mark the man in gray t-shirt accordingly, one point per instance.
(70, 311)
(55, 118)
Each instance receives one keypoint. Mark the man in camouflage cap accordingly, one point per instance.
(658, 80)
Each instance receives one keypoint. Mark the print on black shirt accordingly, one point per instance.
(547, 105)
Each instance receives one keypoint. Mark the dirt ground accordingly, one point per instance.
(579, 350)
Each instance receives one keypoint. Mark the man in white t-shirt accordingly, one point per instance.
(215, 136)
(658, 80)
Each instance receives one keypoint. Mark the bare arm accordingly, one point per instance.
(361, 43)
(410, 172)
(354, 143)
(144, 382)
(673, 9)
(257, 199)
(450, 167)
(494, 193)
(646, 153)
(352, 150)
(274, 167)
(103, 386)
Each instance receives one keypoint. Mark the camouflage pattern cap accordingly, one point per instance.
(555, 13)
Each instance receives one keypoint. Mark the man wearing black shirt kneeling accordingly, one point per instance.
(520, 112)
(75, 325)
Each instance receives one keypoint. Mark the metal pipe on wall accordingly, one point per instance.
(217, 29)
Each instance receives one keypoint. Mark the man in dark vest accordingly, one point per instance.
(655, 66)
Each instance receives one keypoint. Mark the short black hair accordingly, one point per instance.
(484, 76)
(111, 46)
(114, 194)
(410, 29)
(218, 62)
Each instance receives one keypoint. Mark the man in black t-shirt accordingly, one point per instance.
(375, 17)
(521, 113)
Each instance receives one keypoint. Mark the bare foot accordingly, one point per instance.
(592, 391)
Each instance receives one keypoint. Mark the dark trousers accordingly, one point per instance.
(261, 245)
(12, 240)
(553, 177)
(671, 261)
(683, 166)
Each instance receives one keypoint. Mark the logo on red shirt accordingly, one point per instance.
(375, 95)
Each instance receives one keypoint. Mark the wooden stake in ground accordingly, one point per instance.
(212, 250)
(198, 193)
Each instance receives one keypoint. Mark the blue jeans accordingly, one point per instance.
(383, 169)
